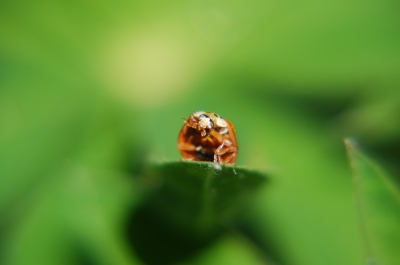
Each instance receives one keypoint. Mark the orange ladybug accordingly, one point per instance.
(206, 136)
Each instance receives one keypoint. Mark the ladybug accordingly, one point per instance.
(206, 136)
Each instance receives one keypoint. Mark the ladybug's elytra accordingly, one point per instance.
(206, 136)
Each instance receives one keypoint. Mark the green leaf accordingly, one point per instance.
(378, 204)
(64, 188)
(230, 249)
(206, 193)
(72, 219)
(190, 204)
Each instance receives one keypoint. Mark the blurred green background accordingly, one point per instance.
(90, 91)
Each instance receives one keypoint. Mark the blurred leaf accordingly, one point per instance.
(192, 201)
(232, 250)
(74, 214)
(63, 195)
(378, 204)
(73, 218)
(375, 120)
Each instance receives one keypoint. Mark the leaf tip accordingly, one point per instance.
(351, 143)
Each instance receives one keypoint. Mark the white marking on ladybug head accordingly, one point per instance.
(221, 122)
(223, 130)
(205, 121)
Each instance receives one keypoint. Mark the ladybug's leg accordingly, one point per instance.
(225, 148)
(186, 147)
(231, 156)
(228, 155)
(188, 151)
(215, 138)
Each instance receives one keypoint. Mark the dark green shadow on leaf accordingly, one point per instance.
(378, 205)
(190, 205)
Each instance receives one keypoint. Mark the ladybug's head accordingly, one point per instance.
(203, 121)
(200, 121)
